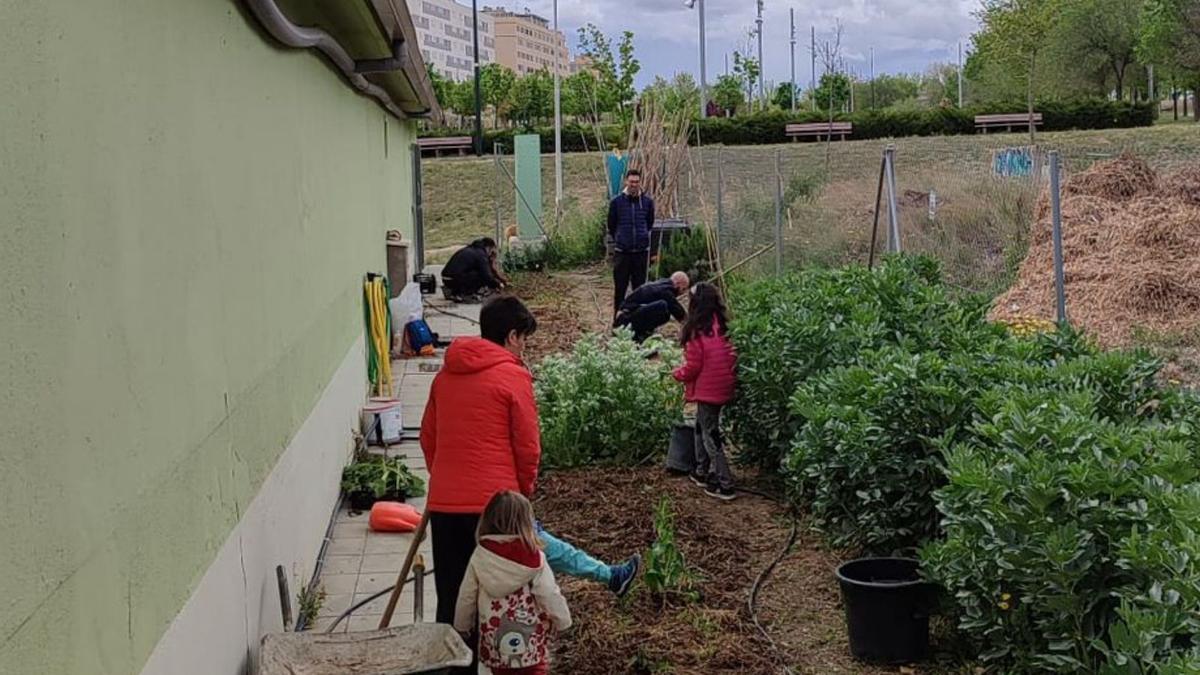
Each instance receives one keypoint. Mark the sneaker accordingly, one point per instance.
(724, 494)
(699, 480)
(623, 575)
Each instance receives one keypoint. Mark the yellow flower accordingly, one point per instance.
(1004, 606)
(1006, 597)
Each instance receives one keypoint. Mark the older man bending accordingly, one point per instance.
(653, 305)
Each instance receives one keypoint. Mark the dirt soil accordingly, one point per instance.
(609, 512)
(566, 305)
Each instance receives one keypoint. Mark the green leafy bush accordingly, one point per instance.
(609, 400)
(1071, 541)
(372, 477)
(686, 252)
(578, 240)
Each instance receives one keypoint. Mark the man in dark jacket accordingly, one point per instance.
(472, 270)
(653, 305)
(630, 217)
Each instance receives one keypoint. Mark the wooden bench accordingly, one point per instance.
(819, 130)
(985, 122)
(437, 145)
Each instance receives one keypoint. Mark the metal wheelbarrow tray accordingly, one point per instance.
(402, 650)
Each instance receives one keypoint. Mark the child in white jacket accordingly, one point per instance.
(509, 594)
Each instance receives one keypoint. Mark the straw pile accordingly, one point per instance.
(658, 143)
(1131, 251)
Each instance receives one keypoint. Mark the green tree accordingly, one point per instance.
(441, 86)
(496, 87)
(939, 86)
(615, 74)
(784, 94)
(748, 71)
(728, 93)
(532, 98)
(886, 90)
(1106, 31)
(833, 91)
(1018, 32)
(580, 94)
(1169, 34)
(680, 93)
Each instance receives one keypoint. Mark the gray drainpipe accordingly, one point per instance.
(282, 29)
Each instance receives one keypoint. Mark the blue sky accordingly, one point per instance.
(906, 36)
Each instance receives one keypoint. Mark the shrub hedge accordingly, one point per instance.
(1053, 488)
(768, 127)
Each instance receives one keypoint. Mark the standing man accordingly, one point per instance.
(630, 218)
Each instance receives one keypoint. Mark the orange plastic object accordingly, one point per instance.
(394, 517)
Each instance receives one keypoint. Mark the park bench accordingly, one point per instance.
(1007, 121)
(819, 130)
(437, 145)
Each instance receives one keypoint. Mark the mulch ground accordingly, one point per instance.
(609, 512)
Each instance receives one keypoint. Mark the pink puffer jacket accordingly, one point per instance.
(708, 373)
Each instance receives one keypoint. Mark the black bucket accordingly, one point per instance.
(681, 454)
(887, 609)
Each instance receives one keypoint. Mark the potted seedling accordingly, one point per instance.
(373, 479)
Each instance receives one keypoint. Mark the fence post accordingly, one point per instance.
(1056, 204)
(720, 201)
(893, 212)
(496, 193)
(778, 216)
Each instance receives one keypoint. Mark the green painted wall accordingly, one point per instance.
(186, 212)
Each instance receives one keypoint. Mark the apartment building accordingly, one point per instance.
(444, 30)
(526, 43)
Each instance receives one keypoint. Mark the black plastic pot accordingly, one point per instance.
(363, 500)
(681, 454)
(887, 609)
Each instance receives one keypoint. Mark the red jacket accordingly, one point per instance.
(480, 431)
(708, 372)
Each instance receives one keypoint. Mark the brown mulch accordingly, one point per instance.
(610, 513)
(566, 305)
(1131, 251)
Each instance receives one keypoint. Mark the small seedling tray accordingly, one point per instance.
(402, 650)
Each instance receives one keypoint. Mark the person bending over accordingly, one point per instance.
(652, 306)
(472, 272)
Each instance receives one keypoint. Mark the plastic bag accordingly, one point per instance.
(406, 307)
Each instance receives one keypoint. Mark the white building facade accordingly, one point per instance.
(444, 29)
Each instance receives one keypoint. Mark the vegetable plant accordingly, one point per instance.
(374, 478)
(666, 571)
(608, 401)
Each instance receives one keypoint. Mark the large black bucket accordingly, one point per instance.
(887, 609)
(681, 454)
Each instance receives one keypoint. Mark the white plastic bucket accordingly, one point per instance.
(386, 413)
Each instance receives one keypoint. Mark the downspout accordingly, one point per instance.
(282, 29)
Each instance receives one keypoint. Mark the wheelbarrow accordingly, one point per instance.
(401, 650)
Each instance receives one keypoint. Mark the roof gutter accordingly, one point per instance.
(282, 29)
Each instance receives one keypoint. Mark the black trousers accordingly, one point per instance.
(463, 285)
(453, 537)
(629, 273)
(644, 320)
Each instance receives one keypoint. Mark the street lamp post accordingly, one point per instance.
(761, 71)
(792, 14)
(558, 161)
(699, 6)
(478, 98)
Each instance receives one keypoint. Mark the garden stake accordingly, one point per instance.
(418, 537)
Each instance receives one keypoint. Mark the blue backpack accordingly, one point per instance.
(419, 335)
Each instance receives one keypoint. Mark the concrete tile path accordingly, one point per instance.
(359, 562)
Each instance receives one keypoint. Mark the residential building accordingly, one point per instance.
(445, 32)
(582, 63)
(185, 226)
(526, 43)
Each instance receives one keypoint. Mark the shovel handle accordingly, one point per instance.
(418, 537)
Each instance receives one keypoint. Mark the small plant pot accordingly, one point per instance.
(887, 609)
(681, 454)
(364, 500)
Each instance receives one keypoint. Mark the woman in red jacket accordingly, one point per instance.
(480, 436)
(709, 378)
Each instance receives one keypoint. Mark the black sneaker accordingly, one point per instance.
(699, 480)
(724, 494)
(623, 575)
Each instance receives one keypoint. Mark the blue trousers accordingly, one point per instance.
(566, 559)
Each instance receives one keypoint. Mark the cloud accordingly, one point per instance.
(906, 36)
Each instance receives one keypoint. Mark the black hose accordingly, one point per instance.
(752, 600)
(360, 605)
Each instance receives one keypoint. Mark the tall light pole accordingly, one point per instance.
(478, 97)
(699, 6)
(792, 16)
(872, 78)
(960, 73)
(758, 22)
(558, 166)
(812, 84)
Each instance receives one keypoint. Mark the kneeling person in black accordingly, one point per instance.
(472, 270)
(653, 305)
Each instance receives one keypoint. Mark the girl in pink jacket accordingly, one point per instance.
(708, 375)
